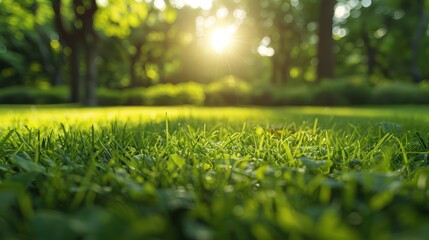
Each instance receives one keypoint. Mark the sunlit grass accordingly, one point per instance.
(213, 173)
(39, 115)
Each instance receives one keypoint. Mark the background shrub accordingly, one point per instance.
(50, 96)
(27, 95)
(332, 92)
(16, 95)
(400, 93)
(294, 95)
(233, 91)
(108, 97)
(134, 96)
(229, 90)
(264, 95)
(190, 93)
(161, 95)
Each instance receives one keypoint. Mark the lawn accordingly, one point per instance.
(214, 173)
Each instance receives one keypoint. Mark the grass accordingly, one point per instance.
(214, 173)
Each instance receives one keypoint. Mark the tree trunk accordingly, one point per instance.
(58, 77)
(285, 69)
(133, 75)
(90, 43)
(74, 73)
(274, 69)
(133, 65)
(370, 53)
(91, 73)
(69, 39)
(419, 33)
(285, 56)
(325, 68)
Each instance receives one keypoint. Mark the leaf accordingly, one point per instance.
(5, 168)
(24, 178)
(27, 165)
(13, 192)
(197, 230)
(260, 172)
(177, 160)
(391, 127)
(421, 141)
(51, 225)
(5, 138)
(376, 181)
(98, 223)
(175, 199)
(312, 164)
(7, 198)
(331, 226)
(147, 160)
(381, 200)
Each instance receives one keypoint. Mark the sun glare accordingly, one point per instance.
(221, 39)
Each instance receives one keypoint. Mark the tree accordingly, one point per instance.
(387, 36)
(91, 40)
(416, 41)
(70, 37)
(80, 33)
(326, 61)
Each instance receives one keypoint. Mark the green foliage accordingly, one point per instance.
(294, 95)
(190, 93)
(27, 95)
(229, 90)
(289, 95)
(400, 93)
(158, 95)
(233, 91)
(342, 92)
(107, 97)
(262, 94)
(164, 94)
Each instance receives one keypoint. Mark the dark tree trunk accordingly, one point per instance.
(285, 69)
(146, 80)
(284, 61)
(74, 73)
(69, 39)
(58, 77)
(274, 69)
(419, 33)
(133, 75)
(80, 36)
(370, 53)
(47, 58)
(325, 67)
(133, 65)
(91, 52)
(91, 74)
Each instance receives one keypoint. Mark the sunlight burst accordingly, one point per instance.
(221, 39)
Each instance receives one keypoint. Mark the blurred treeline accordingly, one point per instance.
(89, 48)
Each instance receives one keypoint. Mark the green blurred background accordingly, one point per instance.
(207, 52)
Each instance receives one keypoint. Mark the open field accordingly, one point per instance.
(214, 173)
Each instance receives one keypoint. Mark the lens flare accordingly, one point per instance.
(221, 38)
